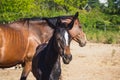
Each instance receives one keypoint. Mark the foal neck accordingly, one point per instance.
(53, 51)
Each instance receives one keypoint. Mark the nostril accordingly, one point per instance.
(82, 44)
(67, 58)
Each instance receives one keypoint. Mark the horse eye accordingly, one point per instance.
(80, 26)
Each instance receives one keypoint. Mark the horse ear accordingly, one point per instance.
(70, 25)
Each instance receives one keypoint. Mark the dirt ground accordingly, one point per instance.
(95, 61)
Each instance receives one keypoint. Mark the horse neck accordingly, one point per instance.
(18, 25)
(40, 30)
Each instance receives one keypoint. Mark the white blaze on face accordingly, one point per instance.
(66, 35)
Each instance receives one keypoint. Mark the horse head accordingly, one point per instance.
(76, 32)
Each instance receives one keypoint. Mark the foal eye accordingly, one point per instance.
(58, 38)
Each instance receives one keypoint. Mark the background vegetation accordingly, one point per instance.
(101, 22)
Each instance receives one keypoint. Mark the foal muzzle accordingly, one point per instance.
(67, 58)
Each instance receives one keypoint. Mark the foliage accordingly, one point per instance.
(71, 5)
(94, 3)
(113, 7)
(109, 37)
(15, 8)
(100, 27)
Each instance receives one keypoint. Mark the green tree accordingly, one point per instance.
(94, 3)
(113, 7)
(70, 5)
(12, 9)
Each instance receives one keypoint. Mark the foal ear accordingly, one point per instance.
(51, 22)
(76, 14)
(60, 23)
(70, 25)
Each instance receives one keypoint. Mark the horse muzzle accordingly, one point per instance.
(82, 40)
(82, 44)
(67, 58)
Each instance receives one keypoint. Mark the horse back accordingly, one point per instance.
(13, 45)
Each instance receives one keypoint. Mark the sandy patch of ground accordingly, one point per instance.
(92, 62)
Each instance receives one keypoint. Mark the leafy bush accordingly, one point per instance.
(115, 19)
(11, 10)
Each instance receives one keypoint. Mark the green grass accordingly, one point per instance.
(99, 36)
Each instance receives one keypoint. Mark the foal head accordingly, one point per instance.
(63, 40)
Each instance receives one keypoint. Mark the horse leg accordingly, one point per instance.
(28, 59)
(26, 70)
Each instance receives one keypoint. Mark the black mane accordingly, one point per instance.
(50, 20)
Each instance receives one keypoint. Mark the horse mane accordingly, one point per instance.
(51, 21)
(31, 19)
(64, 17)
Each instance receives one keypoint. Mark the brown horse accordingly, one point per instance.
(18, 40)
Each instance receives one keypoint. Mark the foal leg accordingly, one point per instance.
(26, 70)
(38, 75)
(56, 72)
